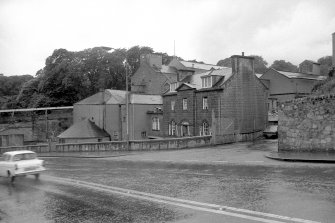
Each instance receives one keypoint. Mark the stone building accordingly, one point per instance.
(285, 86)
(228, 103)
(153, 77)
(107, 111)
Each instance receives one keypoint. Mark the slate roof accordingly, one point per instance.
(82, 130)
(311, 61)
(168, 69)
(201, 66)
(296, 75)
(119, 97)
(148, 99)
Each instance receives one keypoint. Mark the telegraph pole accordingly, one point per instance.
(127, 106)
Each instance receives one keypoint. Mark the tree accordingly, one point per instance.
(134, 54)
(225, 62)
(325, 64)
(259, 63)
(27, 92)
(11, 85)
(71, 76)
(282, 65)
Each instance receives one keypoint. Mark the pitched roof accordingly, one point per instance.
(119, 97)
(107, 96)
(296, 75)
(168, 69)
(149, 99)
(83, 129)
(310, 61)
(201, 66)
(189, 86)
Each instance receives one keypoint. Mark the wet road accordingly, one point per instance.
(97, 195)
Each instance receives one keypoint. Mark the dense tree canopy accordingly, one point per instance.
(11, 85)
(225, 62)
(325, 64)
(71, 76)
(282, 65)
(259, 63)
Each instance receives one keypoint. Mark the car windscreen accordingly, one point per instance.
(5, 157)
(24, 156)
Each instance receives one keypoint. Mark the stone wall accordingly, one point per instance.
(135, 145)
(307, 124)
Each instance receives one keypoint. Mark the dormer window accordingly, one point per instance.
(207, 81)
(173, 86)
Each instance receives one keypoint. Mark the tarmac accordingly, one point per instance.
(257, 152)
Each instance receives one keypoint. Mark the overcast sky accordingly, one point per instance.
(205, 30)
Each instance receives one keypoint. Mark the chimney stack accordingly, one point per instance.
(154, 60)
(333, 49)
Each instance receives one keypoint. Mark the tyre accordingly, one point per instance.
(37, 175)
(12, 178)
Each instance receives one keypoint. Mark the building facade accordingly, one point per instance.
(108, 111)
(228, 102)
(285, 86)
(152, 77)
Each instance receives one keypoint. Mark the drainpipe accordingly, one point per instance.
(120, 124)
(194, 113)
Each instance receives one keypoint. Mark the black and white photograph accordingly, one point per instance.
(167, 111)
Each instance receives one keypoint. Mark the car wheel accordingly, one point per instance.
(12, 178)
(37, 176)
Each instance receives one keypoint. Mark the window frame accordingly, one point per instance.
(205, 103)
(155, 124)
(184, 104)
(207, 81)
(172, 128)
(205, 128)
(173, 86)
(173, 105)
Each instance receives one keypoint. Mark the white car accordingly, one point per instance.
(20, 163)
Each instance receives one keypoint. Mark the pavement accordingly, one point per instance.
(257, 152)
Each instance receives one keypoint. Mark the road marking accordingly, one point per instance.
(191, 160)
(220, 161)
(207, 207)
(254, 161)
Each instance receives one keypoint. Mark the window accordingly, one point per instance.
(184, 103)
(205, 129)
(185, 129)
(207, 81)
(173, 103)
(155, 124)
(172, 128)
(173, 86)
(204, 103)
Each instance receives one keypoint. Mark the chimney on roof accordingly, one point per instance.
(333, 49)
(242, 65)
(153, 59)
(242, 53)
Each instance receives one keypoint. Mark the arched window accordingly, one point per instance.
(172, 128)
(205, 128)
